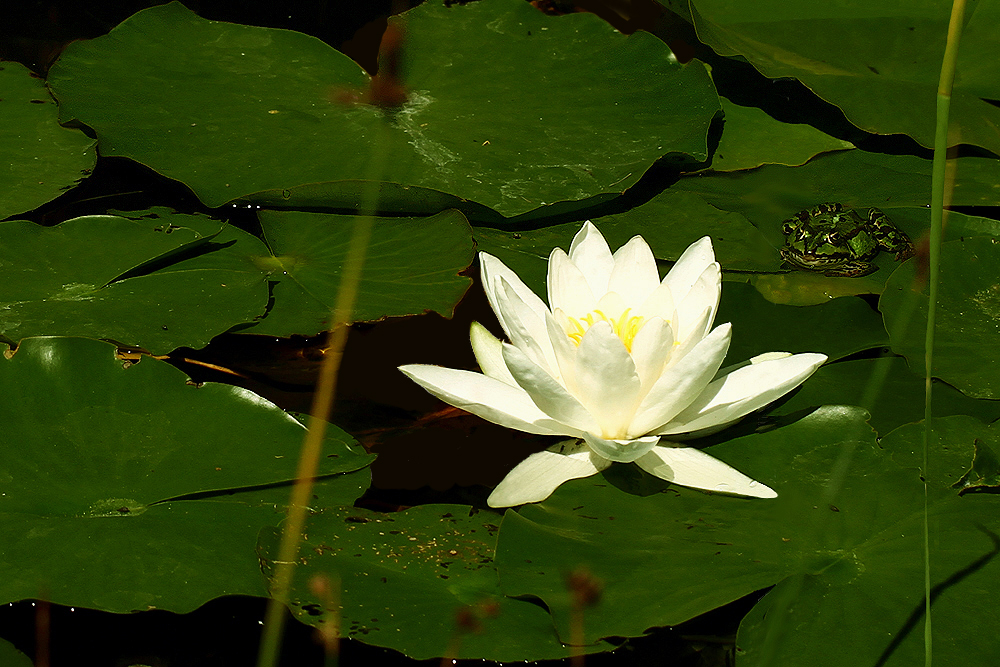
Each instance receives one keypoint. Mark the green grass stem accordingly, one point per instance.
(938, 184)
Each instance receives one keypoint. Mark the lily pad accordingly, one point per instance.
(968, 316)
(12, 657)
(406, 576)
(829, 526)
(880, 62)
(243, 110)
(836, 328)
(41, 159)
(127, 488)
(887, 389)
(411, 266)
(96, 276)
(751, 138)
(953, 448)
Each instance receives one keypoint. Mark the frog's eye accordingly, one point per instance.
(833, 237)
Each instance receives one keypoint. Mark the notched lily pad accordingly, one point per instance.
(97, 276)
(97, 460)
(243, 110)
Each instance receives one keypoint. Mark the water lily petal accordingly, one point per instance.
(621, 451)
(650, 349)
(743, 391)
(700, 323)
(535, 478)
(492, 268)
(704, 293)
(568, 288)
(689, 266)
(591, 254)
(485, 397)
(682, 383)
(694, 468)
(606, 381)
(526, 328)
(546, 392)
(634, 276)
(489, 354)
(564, 349)
(660, 303)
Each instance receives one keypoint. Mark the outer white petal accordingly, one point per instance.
(684, 345)
(535, 478)
(682, 384)
(590, 252)
(489, 354)
(635, 276)
(621, 451)
(551, 397)
(704, 294)
(689, 266)
(492, 268)
(569, 289)
(526, 328)
(694, 468)
(487, 398)
(606, 381)
(743, 391)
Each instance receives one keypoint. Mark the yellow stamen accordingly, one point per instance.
(625, 327)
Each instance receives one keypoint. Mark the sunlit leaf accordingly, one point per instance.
(561, 110)
(98, 457)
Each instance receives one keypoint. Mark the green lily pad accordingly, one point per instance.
(411, 266)
(966, 354)
(559, 111)
(127, 488)
(887, 389)
(96, 276)
(836, 328)
(880, 62)
(41, 159)
(11, 657)
(955, 440)
(406, 576)
(751, 138)
(667, 554)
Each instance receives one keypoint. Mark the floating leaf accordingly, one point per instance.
(966, 354)
(98, 459)
(406, 576)
(879, 63)
(751, 138)
(560, 110)
(96, 276)
(887, 389)
(41, 159)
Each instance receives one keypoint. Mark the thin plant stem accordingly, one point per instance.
(294, 525)
(934, 260)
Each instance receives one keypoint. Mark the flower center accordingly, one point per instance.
(625, 327)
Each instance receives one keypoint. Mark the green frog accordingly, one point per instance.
(841, 242)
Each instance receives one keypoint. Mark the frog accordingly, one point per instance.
(841, 242)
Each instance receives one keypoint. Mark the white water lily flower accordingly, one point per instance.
(619, 360)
